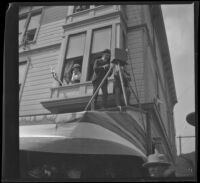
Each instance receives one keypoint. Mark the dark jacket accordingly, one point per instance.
(99, 71)
(126, 78)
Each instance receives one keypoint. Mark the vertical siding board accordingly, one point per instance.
(136, 63)
(134, 14)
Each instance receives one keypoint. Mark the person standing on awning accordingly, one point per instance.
(101, 67)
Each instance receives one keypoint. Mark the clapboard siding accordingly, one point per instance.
(150, 78)
(41, 77)
(40, 70)
(54, 13)
(41, 96)
(48, 34)
(147, 20)
(37, 92)
(38, 81)
(136, 63)
(38, 87)
(33, 110)
(134, 13)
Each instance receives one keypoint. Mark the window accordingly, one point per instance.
(28, 25)
(101, 40)
(22, 74)
(22, 22)
(79, 8)
(74, 55)
(32, 27)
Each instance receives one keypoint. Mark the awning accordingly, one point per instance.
(92, 133)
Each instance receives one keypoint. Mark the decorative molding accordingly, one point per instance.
(91, 20)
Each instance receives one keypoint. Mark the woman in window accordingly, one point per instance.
(76, 74)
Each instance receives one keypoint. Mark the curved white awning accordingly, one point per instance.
(75, 138)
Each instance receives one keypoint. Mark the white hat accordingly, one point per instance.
(156, 159)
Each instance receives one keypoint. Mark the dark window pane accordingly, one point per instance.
(68, 71)
(30, 34)
(81, 8)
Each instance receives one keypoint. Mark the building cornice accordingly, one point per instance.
(94, 20)
(163, 43)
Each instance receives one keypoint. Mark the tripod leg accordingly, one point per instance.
(122, 84)
(97, 90)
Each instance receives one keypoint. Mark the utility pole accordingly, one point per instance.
(180, 147)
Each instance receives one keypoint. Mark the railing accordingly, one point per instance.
(77, 90)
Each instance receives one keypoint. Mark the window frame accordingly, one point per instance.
(28, 16)
(90, 7)
(85, 64)
(96, 54)
(73, 58)
(27, 62)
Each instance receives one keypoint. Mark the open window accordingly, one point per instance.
(81, 8)
(22, 22)
(74, 55)
(101, 40)
(32, 26)
(29, 22)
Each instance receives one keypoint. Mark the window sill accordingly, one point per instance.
(28, 43)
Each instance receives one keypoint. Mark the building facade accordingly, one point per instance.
(56, 37)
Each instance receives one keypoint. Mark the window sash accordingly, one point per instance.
(80, 8)
(76, 45)
(34, 21)
(101, 40)
(22, 70)
(22, 23)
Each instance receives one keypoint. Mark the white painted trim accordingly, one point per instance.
(27, 60)
(62, 56)
(86, 55)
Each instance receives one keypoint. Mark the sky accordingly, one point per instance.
(179, 25)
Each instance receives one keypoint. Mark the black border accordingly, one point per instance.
(10, 130)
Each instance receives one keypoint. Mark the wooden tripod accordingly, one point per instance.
(105, 77)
